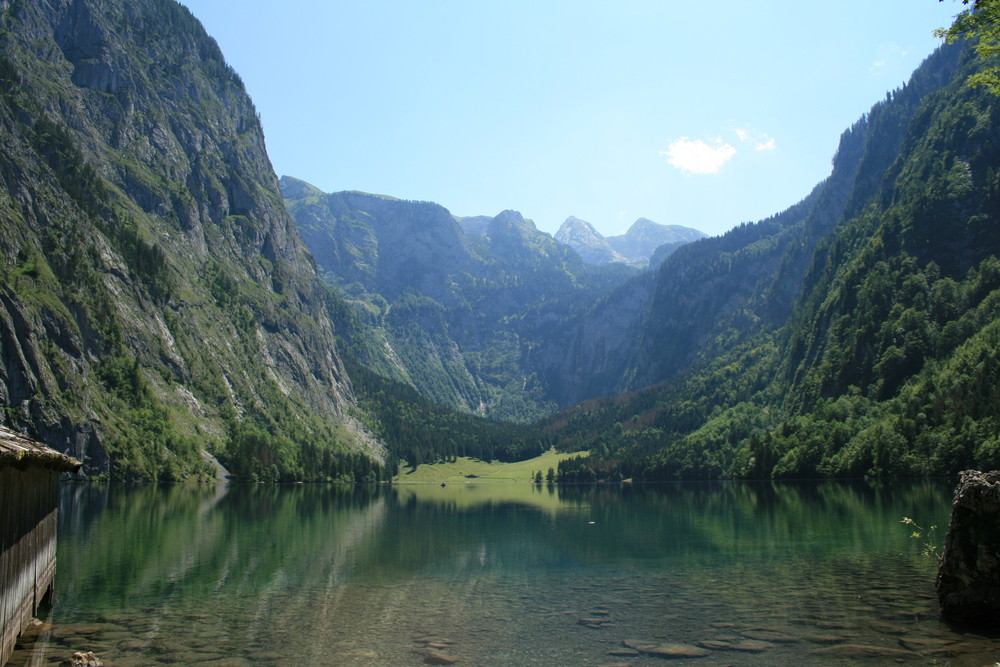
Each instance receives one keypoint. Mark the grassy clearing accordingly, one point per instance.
(544, 497)
(463, 468)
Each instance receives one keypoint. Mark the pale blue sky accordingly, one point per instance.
(692, 113)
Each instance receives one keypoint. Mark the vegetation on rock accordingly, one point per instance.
(155, 299)
(885, 362)
(158, 303)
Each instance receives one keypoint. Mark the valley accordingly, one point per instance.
(164, 294)
(339, 427)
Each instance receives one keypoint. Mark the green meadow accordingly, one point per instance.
(468, 470)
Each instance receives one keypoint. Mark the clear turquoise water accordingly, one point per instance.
(500, 574)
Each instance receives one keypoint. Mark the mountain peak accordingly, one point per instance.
(588, 243)
(642, 239)
(637, 246)
(509, 221)
(294, 188)
(642, 224)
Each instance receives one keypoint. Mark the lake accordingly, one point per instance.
(501, 574)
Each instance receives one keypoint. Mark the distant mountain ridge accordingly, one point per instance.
(161, 300)
(643, 241)
(455, 306)
(588, 243)
(856, 334)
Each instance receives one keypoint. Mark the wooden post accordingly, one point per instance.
(29, 475)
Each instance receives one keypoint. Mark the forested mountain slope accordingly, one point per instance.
(155, 297)
(710, 295)
(157, 301)
(496, 322)
(869, 344)
(713, 293)
(454, 313)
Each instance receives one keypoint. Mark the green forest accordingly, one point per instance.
(165, 301)
(888, 362)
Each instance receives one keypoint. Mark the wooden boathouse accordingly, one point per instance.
(29, 472)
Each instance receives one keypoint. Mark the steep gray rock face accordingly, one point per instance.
(588, 243)
(376, 244)
(644, 237)
(968, 582)
(515, 240)
(592, 354)
(645, 243)
(293, 188)
(474, 225)
(146, 240)
(459, 307)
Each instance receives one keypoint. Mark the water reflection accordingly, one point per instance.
(498, 574)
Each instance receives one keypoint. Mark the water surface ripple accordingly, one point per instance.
(714, 574)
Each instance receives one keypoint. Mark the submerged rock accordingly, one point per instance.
(668, 650)
(679, 651)
(968, 583)
(80, 659)
(819, 638)
(769, 636)
(438, 658)
(753, 645)
(742, 645)
(863, 651)
(639, 645)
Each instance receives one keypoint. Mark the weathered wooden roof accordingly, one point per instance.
(15, 449)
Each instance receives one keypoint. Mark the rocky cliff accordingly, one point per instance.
(645, 237)
(588, 243)
(155, 297)
(456, 306)
(645, 243)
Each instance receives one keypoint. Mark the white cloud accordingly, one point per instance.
(761, 140)
(767, 145)
(889, 54)
(697, 157)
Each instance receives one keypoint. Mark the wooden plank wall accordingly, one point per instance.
(27, 548)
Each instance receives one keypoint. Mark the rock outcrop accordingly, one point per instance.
(645, 243)
(472, 312)
(968, 584)
(645, 237)
(588, 243)
(155, 296)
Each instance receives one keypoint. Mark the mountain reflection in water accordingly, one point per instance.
(501, 574)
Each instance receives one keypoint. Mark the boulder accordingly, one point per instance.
(769, 636)
(678, 651)
(968, 582)
(860, 651)
(81, 659)
(438, 658)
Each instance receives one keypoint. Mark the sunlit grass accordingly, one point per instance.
(469, 470)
